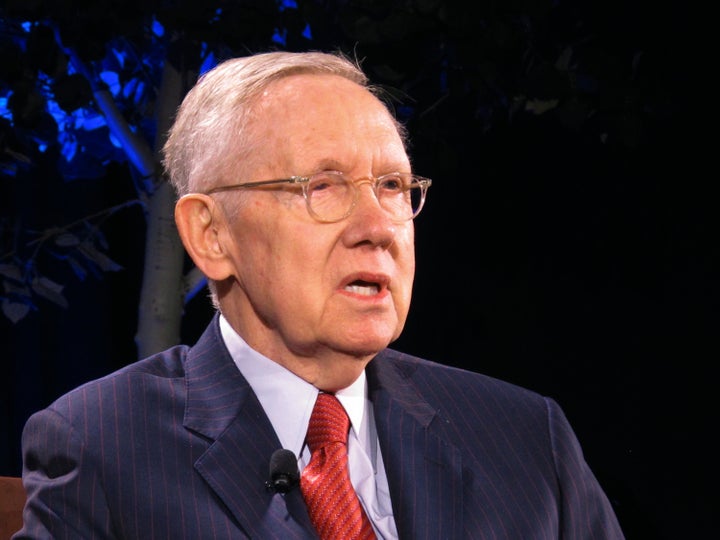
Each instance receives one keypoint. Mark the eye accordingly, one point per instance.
(392, 183)
(325, 181)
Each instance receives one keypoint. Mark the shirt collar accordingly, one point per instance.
(287, 399)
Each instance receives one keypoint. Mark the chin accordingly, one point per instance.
(369, 347)
(367, 339)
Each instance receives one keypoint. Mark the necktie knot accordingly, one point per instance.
(328, 423)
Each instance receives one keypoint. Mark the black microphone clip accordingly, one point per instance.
(284, 473)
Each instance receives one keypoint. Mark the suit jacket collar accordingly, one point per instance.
(222, 408)
(424, 472)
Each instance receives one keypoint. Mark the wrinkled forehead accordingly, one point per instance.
(306, 93)
(304, 120)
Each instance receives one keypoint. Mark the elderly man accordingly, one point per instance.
(297, 200)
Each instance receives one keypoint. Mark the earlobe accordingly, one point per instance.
(200, 225)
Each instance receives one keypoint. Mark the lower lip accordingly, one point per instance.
(378, 297)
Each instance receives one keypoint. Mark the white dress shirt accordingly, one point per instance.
(288, 401)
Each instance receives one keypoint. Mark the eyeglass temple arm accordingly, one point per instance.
(291, 180)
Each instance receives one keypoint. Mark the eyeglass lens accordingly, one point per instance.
(331, 195)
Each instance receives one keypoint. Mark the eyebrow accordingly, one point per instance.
(327, 164)
(331, 164)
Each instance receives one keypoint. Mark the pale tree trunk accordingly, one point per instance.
(163, 288)
(161, 296)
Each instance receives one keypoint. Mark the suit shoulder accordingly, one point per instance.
(166, 365)
(422, 371)
(169, 363)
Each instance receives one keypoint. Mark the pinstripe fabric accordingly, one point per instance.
(469, 456)
(174, 447)
(177, 446)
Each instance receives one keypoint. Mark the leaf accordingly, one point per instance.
(563, 61)
(100, 238)
(11, 271)
(50, 290)
(78, 268)
(14, 288)
(540, 106)
(15, 311)
(99, 258)
(66, 240)
(18, 302)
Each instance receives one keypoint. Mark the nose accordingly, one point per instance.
(368, 196)
(369, 222)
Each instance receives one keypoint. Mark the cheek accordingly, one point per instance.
(256, 248)
(406, 252)
(297, 257)
(405, 260)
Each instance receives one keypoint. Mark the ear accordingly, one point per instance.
(201, 226)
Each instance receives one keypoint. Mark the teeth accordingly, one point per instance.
(365, 290)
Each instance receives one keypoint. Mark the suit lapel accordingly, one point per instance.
(424, 471)
(221, 406)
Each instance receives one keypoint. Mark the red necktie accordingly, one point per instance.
(333, 505)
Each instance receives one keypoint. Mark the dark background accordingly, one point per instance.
(569, 252)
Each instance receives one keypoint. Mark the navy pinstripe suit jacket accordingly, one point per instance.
(177, 446)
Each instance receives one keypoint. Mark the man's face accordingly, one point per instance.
(319, 298)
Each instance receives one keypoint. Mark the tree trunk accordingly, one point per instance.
(162, 294)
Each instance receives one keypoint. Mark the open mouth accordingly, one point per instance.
(364, 288)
